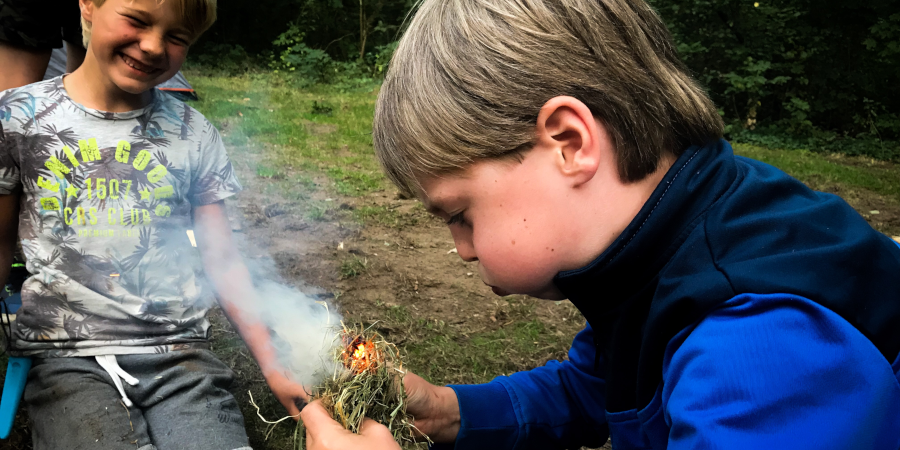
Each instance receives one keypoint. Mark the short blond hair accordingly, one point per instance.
(198, 16)
(469, 78)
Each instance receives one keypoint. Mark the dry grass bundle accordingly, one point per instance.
(369, 384)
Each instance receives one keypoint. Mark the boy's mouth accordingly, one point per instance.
(137, 65)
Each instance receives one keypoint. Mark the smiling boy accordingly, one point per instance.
(101, 177)
(728, 306)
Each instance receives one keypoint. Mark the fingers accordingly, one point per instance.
(298, 398)
(323, 433)
(375, 431)
(316, 419)
(302, 394)
(292, 409)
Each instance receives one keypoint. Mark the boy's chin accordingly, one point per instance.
(135, 87)
(548, 293)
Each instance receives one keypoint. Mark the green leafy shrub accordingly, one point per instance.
(293, 55)
(801, 67)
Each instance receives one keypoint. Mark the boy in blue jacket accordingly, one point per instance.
(573, 157)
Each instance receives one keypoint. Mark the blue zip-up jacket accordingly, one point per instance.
(739, 309)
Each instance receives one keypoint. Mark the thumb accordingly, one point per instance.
(375, 431)
(316, 419)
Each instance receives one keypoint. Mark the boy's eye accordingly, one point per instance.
(137, 21)
(456, 218)
(180, 41)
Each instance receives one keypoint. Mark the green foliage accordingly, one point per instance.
(795, 66)
(789, 73)
(344, 42)
(224, 58)
(311, 65)
(819, 141)
(293, 55)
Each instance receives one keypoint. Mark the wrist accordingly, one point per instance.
(272, 371)
(447, 406)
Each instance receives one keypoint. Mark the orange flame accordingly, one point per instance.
(360, 356)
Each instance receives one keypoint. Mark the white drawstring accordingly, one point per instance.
(109, 363)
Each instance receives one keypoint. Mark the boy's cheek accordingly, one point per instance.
(177, 55)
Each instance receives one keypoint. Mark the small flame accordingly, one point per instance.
(360, 356)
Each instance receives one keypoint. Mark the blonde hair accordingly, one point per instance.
(198, 16)
(469, 78)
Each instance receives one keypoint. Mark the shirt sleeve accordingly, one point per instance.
(9, 168)
(559, 405)
(778, 372)
(214, 178)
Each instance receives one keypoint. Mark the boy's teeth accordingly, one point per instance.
(136, 65)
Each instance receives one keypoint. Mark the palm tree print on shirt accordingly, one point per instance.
(107, 198)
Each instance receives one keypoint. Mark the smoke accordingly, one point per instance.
(303, 330)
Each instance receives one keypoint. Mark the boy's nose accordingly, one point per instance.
(466, 252)
(464, 241)
(153, 45)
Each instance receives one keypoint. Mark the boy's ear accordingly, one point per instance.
(87, 10)
(567, 127)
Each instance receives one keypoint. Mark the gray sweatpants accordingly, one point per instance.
(180, 403)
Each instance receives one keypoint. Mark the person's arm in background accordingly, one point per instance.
(234, 288)
(9, 224)
(21, 66)
(777, 371)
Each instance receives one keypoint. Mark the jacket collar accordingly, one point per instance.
(697, 179)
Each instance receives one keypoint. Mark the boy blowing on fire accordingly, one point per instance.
(103, 175)
(728, 306)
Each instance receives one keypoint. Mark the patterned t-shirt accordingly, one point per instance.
(106, 203)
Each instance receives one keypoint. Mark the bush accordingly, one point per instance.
(800, 66)
(293, 55)
(310, 65)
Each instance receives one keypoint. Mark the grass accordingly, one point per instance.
(317, 130)
(353, 267)
(855, 172)
(444, 353)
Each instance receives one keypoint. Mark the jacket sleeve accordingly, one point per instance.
(559, 405)
(778, 371)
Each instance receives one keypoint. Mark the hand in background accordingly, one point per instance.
(435, 408)
(323, 433)
(288, 393)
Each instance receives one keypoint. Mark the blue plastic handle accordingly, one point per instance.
(16, 375)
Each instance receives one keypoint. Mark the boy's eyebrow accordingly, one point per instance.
(145, 14)
(130, 10)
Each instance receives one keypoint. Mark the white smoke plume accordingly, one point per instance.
(304, 331)
(304, 328)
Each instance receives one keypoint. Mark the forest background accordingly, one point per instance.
(820, 75)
